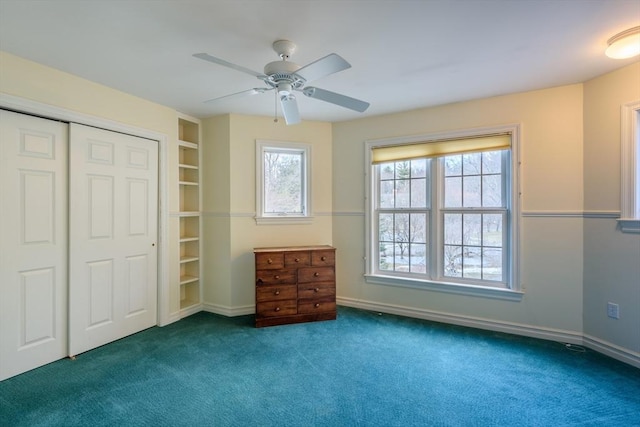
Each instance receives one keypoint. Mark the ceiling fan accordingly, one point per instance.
(288, 77)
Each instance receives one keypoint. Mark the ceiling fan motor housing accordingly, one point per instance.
(283, 72)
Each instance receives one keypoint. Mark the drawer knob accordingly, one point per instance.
(269, 261)
(316, 274)
(324, 258)
(317, 305)
(276, 277)
(277, 292)
(277, 309)
(316, 290)
(297, 259)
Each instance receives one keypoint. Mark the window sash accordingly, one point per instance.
(262, 215)
(267, 209)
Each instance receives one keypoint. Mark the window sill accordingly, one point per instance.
(452, 288)
(283, 220)
(629, 225)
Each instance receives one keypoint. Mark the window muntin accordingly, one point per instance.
(282, 182)
(469, 237)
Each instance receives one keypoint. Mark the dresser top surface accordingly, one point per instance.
(294, 248)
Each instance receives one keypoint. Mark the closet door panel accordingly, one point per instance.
(113, 232)
(33, 242)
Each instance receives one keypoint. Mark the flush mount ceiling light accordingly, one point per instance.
(625, 44)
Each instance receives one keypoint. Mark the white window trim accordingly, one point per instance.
(629, 164)
(515, 291)
(261, 218)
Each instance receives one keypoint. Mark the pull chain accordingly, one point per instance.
(275, 107)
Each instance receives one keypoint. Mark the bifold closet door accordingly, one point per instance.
(113, 199)
(33, 242)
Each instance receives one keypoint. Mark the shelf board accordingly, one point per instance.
(188, 213)
(188, 166)
(188, 279)
(185, 259)
(189, 239)
(188, 183)
(187, 144)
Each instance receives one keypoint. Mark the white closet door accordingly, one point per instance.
(113, 199)
(33, 242)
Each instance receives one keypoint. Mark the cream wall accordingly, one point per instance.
(552, 188)
(229, 143)
(35, 82)
(612, 258)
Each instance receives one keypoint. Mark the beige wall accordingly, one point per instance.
(35, 82)
(229, 143)
(570, 266)
(551, 178)
(612, 258)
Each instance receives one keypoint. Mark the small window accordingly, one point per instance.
(282, 184)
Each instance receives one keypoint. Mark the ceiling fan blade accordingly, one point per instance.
(248, 92)
(207, 57)
(330, 64)
(336, 98)
(290, 109)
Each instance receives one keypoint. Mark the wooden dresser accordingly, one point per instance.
(295, 284)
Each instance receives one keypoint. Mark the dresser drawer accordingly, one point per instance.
(276, 293)
(269, 260)
(275, 277)
(316, 274)
(316, 291)
(320, 258)
(297, 259)
(276, 308)
(305, 307)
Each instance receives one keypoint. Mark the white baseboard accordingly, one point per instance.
(190, 310)
(228, 311)
(622, 354)
(616, 352)
(612, 350)
(473, 322)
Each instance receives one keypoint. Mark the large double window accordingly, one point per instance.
(443, 210)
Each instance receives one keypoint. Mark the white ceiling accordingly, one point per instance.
(405, 54)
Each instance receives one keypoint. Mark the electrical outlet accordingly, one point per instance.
(613, 310)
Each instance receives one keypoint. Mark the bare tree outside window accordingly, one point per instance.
(403, 231)
(473, 216)
(283, 182)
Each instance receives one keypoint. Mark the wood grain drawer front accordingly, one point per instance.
(316, 291)
(320, 258)
(316, 306)
(297, 259)
(276, 293)
(276, 308)
(275, 277)
(316, 274)
(269, 261)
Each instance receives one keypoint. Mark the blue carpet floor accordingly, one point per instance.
(363, 369)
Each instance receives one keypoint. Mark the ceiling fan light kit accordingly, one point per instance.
(625, 44)
(286, 77)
